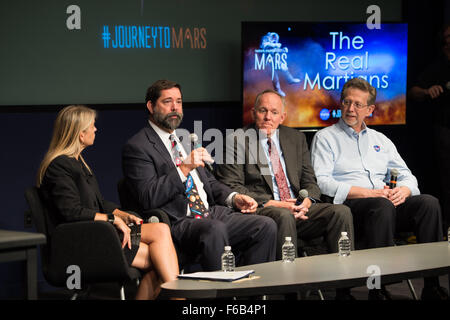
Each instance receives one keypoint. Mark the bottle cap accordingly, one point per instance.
(227, 247)
(344, 233)
(288, 238)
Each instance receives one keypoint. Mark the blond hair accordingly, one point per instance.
(70, 122)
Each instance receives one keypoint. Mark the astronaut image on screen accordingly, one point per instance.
(309, 62)
(270, 44)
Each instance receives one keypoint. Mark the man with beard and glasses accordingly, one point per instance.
(205, 214)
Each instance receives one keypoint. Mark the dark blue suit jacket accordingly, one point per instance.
(154, 181)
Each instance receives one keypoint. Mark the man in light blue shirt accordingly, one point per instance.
(354, 163)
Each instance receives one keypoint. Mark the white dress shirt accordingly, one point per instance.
(343, 158)
(165, 138)
(276, 144)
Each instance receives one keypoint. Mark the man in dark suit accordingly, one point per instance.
(202, 210)
(271, 163)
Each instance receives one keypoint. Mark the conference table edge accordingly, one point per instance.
(208, 293)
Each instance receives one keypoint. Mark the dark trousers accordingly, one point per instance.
(252, 238)
(325, 219)
(442, 168)
(376, 220)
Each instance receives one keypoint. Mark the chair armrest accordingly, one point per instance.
(92, 246)
(134, 213)
(161, 215)
(158, 213)
(326, 199)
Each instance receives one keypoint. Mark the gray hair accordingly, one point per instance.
(258, 98)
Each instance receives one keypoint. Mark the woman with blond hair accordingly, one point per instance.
(71, 193)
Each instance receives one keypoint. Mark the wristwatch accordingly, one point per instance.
(262, 204)
(111, 218)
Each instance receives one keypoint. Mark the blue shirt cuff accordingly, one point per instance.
(341, 193)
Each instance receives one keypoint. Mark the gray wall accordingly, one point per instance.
(46, 63)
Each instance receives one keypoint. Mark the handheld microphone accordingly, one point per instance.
(393, 181)
(302, 194)
(195, 145)
(153, 219)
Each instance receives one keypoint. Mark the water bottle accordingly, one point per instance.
(344, 245)
(228, 259)
(288, 250)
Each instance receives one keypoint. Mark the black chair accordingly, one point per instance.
(127, 200)
(92, 246)
(129, 203)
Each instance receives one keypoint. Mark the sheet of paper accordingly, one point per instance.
(217, 275)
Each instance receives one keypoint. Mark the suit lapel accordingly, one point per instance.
(290, 159)
(261, 160)
(264, 167)
(158, 145)
(92, 181)
(206, 186)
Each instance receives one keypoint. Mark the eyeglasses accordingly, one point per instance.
(264, 111)
(347, 103)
